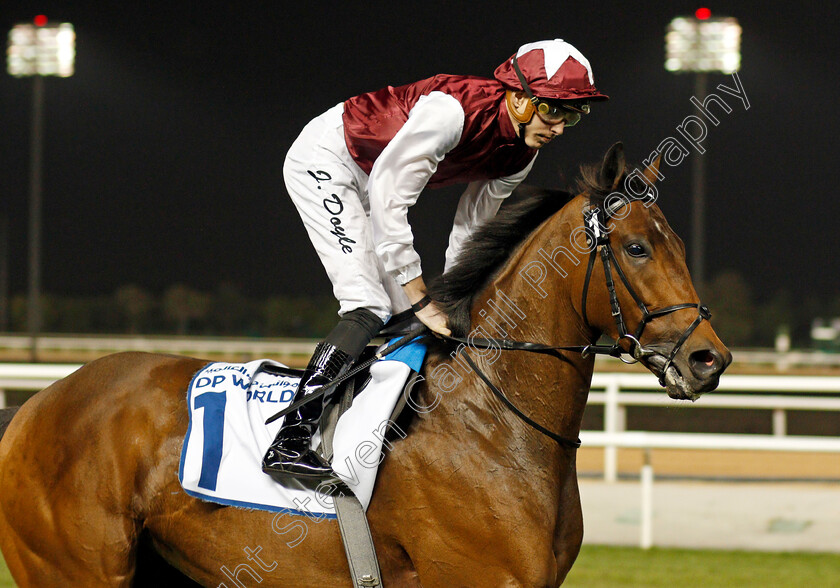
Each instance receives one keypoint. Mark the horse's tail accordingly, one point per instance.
(6, 416)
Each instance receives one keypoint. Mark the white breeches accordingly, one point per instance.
(330, 193)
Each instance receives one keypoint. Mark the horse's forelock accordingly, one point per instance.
(591, 182)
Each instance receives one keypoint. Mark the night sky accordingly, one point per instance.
(163, 154)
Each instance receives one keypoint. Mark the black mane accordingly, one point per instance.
(492, 244)
(486, 250)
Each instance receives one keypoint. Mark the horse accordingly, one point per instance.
(474, 493)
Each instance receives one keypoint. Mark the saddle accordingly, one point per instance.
(359, 376)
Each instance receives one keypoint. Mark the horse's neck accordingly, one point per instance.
(552, 389)
(549, 390)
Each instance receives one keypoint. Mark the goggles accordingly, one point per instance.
(552, 112)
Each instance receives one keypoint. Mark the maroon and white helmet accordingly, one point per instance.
(553, 70)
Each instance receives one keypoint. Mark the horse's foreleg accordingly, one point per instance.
(568, 534)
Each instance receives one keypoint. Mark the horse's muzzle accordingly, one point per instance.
(691, 373)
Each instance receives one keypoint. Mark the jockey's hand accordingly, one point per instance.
(430, 315)
(434, 318)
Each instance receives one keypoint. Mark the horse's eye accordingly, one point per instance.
(635, 250)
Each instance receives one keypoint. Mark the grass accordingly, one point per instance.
(616, 567)
(5, 577)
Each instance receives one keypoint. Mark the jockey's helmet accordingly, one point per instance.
(553, 71)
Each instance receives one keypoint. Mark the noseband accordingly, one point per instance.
(600, 241)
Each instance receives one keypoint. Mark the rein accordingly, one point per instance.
(600, 242)
(509, 345)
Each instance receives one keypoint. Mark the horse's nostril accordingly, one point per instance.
(706, 358)
(704, 362)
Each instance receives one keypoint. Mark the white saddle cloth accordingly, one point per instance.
(227, 438)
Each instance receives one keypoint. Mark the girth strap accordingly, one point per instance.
(355, 532)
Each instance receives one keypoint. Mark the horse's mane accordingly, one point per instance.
(487, 249)
(491, 245)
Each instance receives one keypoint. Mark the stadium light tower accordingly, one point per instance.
(36, 50)
(701, 44)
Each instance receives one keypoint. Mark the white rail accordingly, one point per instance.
(259, 347)
(736, 391)
(162, 344)
(621, 390)
(646, 440)
(31, 376)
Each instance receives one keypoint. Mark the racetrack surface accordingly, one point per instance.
(762, 516)
(708, 464)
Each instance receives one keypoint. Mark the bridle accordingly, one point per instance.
(599, 241)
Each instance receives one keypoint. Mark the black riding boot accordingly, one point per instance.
(289, 456)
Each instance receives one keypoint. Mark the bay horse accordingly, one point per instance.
(471, 496)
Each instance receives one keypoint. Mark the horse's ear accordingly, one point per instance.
(612, 169)
(651, 172)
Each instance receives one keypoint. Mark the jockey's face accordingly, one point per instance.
(537, 131)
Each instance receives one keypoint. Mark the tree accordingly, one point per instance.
(183, 305)
(733, 312)
(231, 312)
(134, 304)
(300, 317)
(773, 317)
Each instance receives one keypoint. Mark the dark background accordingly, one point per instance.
(164, 152)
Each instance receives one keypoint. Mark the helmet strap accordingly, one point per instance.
(522, 127)
(522, 81)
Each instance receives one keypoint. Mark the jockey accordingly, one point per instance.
(356, 169)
